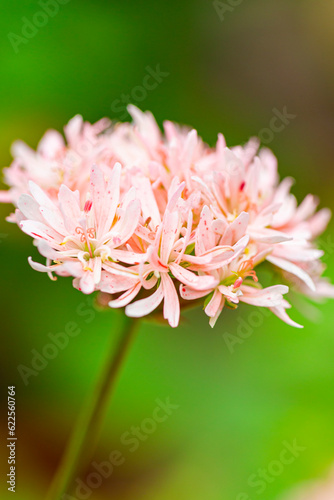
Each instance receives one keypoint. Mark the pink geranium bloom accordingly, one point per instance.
(80, 239)
(141, 214)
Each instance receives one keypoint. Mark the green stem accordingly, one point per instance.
(83, 441)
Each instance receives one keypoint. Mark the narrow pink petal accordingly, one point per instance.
(214, 304)
(191, 279)
(41, 231)
(50, 144)
(236, 230)
(213, 320)
(266, 235)
(128, 222)
(205, 237)
(267, 297)
(110, 201)
(41, 268)
(169, 233)
(174, 193)
(6, 197)
(281, 314)
(112, 283)
(126, 297)
(73, 130)
(145, 306)
(29, 207)
(97, 191)
(69, 207)
(147, 200)
(189, 293)
(186, 237)
(127, 256)
(40, 196)
(171, 308)
(87, 284)
(319, 222)
(54, 220)
(293, 269)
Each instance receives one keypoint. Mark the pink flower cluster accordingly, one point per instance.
(154, 218)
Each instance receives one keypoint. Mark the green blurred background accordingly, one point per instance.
(227, 71)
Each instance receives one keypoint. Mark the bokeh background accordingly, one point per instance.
(227, 67)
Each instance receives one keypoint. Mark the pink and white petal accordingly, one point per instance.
(97, 270)
(261, 256)
(128, 257)
(265, 217)
(40, 196)
(236, 230)
(292, 269)
(97, 191)
(318, 222)
(222, 256)
(146, 124)
(189, 278)
(171, 309)
(266, 235)
(229, 293)
(112, 283)
(147, 199)
(267, 297)
(41, 231)
(174, 193)
(169, 233)
(87, 284)
(219, 226)
(145, 306)
(6, 197)
(280, 312)
(47, 251)
(51, 143)
(186, 238)
(110, 201)
(306, 209)
(73, 130)
(70, 207)
(43, 269)
(120, 270)
(128, 222)
(29, 207)
(189, 293)
(204, 236)
(74, 268)
(54, 220)
(126, 297)
(213, 305)
(213, 319)
(298, 252)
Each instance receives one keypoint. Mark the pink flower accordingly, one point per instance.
(55, 163)
(137, 213)
(80, 239)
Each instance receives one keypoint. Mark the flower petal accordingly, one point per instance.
(145, 306)
(171, 308)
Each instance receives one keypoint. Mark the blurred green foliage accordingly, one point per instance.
(235, 410)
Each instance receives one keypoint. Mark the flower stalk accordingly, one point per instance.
(84, 439)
